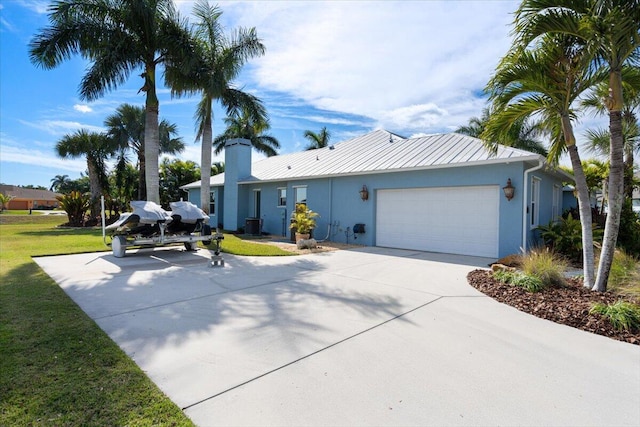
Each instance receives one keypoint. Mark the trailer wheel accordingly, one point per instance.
(191, 246)
(118, 246)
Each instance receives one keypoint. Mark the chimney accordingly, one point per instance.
(237, 167)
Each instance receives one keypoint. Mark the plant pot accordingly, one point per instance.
(300, 236)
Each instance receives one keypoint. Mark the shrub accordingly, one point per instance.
(75, 204)
(523, 280)
(624, 276)
(629, 234)
(545, 265)
(622, 315)
(528, 282)
(504, 276)
(565, 237)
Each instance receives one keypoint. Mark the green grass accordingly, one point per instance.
(623, 315)
(57, 367)
(234, 245)
(624, 277)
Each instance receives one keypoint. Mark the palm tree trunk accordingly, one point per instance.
(94, 187)
(151, 136)
(616, 198)
(205, 165)
(142, 187)
(584, 203)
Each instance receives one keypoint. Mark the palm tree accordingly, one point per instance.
(317, 140)
(599, 140)
(127, 126)
(545, 82)
(214, 62)
(245, 126)
(610, 31)
(59, 182)
(4, 201)
(117, 37)
(521, 133)
(96, 148)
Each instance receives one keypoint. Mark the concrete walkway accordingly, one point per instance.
(354, 337)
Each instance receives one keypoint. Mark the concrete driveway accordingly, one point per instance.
(354, 337)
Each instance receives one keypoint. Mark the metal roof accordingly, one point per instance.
(378, 152)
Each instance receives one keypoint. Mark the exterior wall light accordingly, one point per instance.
(509, 190)
(364, 193)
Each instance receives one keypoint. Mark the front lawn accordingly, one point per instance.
(57, 367)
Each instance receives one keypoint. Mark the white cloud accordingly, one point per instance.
(378, 59)
(38, 6)
(61, 127)
(83, 108)
(40, 158)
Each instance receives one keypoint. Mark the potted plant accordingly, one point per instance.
(303, 221)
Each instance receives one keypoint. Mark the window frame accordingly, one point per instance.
(281, 201)
(212, 202)
(295, 195)
(534, 200)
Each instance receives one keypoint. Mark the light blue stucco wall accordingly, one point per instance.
(338, 202)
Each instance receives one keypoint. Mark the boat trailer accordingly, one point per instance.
(149, 225)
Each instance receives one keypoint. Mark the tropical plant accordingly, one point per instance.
(317, 140)
(217, 168)
(59, 183)
(303, 219)
(599, 139)
(215, 60)
(123, 185)
(521, 134)
(609, 30)
(546, 265)
(117, 38)
(565, 237)
(173, 174)
(4, 201)
(629, 238)
(75, 204)
(247, 127)
(523, 280)
(545, 82)
(127, 126)
(96, 148)
(623, 315)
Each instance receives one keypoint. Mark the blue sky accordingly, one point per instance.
(412, 68)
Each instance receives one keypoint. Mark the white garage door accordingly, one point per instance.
(456, 220)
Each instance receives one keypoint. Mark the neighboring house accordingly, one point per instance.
(28, 198)
(440, 193)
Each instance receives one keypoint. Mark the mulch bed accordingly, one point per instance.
(568, 305)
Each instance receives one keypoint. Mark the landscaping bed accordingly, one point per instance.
(568, 305)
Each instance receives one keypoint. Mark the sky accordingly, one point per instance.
(409, 67)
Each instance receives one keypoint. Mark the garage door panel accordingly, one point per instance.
(460, 220)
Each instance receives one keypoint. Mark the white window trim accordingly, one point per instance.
(214, 202)
(278, 196)
(534, 202)
(295, 187)
(556, 203)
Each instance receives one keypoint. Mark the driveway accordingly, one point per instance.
(353, 337)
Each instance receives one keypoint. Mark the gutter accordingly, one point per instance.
(524, 202)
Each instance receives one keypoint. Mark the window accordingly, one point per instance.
(557, 201)
(282, 197)
(300, 195)
(212, 203)
(535, 204)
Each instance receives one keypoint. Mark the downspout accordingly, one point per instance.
(525, 198)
